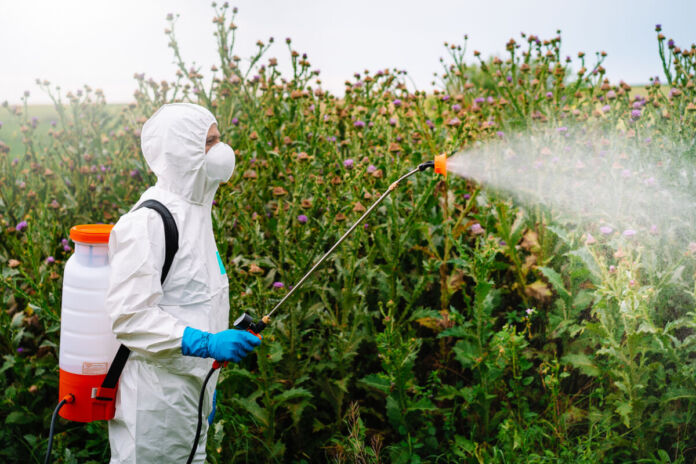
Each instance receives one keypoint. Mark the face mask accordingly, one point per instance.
(219, 162)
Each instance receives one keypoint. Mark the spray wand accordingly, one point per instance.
(246, 322)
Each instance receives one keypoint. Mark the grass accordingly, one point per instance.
(10, 128)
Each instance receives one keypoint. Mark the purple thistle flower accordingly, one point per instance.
(302, 219)
(397, 102)
(366, 226)
(371, 168)
(549, 94)
(134, 173)
(500, 134)
(670, 43)
(479, 100)
(20, 349)
(348, 164)
(629, 233)
(456, 107)
(429, 123)
(53, 123)
(21, 226)
(445, 98)
(67, 248)
(509, 78)
(606, 108)
(635, 114)
(562, 129)
(278, 285)
(606, 230)
(490, 100)
(467, 196)
(50, 260)
(235, 121)
(392, 121)
(611, 94)
(0, 124)
(359, 124)
(476, 229)
(64, 242)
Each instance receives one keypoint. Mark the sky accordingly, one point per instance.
(103, 43)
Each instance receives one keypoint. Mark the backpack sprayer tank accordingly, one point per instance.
(87, 344)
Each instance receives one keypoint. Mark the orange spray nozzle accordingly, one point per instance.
(441, 164)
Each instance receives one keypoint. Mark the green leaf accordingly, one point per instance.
(624, 410)
(583, 299)
(588, 260)
(19, 417)
(394, 412)
(556, 280)
(252, 407)
(291, 394)
(377, 381)
(275, 352)
(582, 362)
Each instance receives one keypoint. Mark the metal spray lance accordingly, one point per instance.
(246, 322)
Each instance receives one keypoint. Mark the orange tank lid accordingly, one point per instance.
(91, 233)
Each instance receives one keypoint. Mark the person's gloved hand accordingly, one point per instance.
(228, 345)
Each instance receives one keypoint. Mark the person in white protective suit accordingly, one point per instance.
(171, 328)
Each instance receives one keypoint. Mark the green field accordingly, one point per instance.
(467, 320)
(46, 115)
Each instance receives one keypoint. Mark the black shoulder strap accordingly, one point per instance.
(171, 241)
(171, 234)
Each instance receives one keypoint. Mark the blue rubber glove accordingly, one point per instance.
(228, 345)
(211, 417)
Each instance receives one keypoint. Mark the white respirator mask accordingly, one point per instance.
(219, 163)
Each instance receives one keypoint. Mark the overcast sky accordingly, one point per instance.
(102, 43)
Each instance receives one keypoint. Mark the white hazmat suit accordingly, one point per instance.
(157, 399)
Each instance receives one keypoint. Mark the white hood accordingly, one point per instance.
(173, 143)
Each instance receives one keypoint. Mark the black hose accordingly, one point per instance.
(47, 460)
(200, 416)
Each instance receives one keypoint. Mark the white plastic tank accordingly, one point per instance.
(87, 344)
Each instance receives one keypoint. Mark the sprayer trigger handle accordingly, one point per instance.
(217, 364)
(254, 333)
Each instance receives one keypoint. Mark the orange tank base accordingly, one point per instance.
(85, 408)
